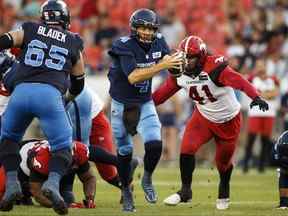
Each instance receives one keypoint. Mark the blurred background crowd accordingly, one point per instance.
(245, 31)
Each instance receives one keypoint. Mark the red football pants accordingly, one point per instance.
(200, 130)
(101, 135)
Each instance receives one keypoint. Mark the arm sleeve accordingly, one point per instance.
(79, 46)
(165, 91)
(229, 77)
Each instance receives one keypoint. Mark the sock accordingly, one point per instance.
(187, 166)
(99, 155)
(54, 178)
(115, 181)
(11, 176)
(124, 168)
(153, 150)
(264, 153)
(248, 151)
(9, 155)
(284, 201)
(147, 177)
(224, 185)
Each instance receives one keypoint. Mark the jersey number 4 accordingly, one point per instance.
(193, 93)
(35, 55)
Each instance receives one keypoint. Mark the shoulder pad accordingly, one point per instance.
(124, 39)
(40, 160)
(120, 49)
(27, 25)
(80, 41)
(159, 35)
(80, 153)
(213, 62)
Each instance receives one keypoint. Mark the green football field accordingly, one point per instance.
(251, 195)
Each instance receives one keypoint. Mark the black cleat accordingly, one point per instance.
(51, 193)
(128, 202)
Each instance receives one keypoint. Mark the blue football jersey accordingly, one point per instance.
(127, 55)
(47, 55)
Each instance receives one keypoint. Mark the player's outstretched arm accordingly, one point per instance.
(89, 187)
(11, 39)
(141, 74)
(165, 91)
(229, 77)
(77, 79)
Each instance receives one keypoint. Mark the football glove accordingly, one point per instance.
(258, 101)
(89, 203)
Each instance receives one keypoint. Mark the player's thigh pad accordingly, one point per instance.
(52, 116)
(122, 138)
(149, 126)
(196, 134)
(17, 115)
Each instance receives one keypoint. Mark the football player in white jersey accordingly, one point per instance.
(209, 81)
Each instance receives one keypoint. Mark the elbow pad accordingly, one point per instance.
(77, 84)
(6, 41)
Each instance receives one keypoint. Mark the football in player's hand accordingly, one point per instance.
(177, 72)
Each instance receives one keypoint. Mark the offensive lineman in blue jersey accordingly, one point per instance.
(49, 54)
(135, 60)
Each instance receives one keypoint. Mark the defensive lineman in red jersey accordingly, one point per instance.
(209, 81)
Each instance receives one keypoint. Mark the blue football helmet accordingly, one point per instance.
(144, 18)
(281, 150)
(55, 12)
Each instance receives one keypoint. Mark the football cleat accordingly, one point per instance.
(222, 204)
(282, 207)
(172, 200)
(149, 191)
(179, 197)
(128, 202)
(51, 193)
(13, 192)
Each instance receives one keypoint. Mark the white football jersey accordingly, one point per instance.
(217, 104)
(97, 103)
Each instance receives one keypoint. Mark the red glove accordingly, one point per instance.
(89, 203)
(76, 205)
